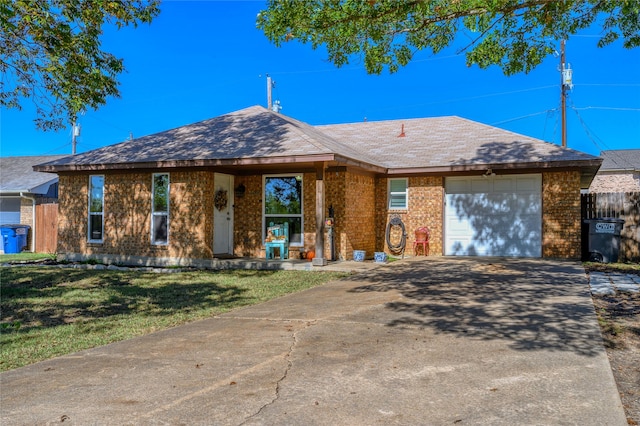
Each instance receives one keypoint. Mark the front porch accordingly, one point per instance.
(217, 263)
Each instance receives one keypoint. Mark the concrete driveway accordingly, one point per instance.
(441, 341)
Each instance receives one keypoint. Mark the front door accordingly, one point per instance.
(223, 215)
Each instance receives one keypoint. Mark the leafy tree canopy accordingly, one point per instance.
(50, 52)
(513, 34)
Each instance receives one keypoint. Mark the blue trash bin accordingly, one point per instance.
(14, 238)
(10, 241)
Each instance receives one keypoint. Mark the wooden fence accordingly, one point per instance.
(619, 205)
(46, 228)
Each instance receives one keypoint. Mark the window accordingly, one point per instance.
(96, 208)
(160, 209)
(9, 210)
(398, 194)
(283, 203)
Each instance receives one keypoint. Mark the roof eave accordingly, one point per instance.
(15, 192)
(588, 168)
(171, 164)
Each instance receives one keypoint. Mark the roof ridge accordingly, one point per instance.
(355, 123)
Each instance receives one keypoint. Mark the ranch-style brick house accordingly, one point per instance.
(210, 190)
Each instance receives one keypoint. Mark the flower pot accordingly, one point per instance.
(380, 257)
(358, 255)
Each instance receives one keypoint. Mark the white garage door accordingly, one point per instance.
(494, 216)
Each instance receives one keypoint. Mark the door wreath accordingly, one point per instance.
(221, 199)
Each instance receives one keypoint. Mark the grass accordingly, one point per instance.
(625, 268)
(48, 312)
(25, 257)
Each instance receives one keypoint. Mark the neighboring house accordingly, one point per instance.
(211, 189)
(620, 172)
(22, 189)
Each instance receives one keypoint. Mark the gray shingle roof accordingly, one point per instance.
(16, 173)
(255, 134)
(620, 159)
(446, 142)
(250, 133)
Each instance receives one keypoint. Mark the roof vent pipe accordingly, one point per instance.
(402, 135)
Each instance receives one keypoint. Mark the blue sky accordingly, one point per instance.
(201, 59)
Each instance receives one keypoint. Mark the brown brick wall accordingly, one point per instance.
(360, 203)
(191, 213)
(353, 198)
(26, 212)
(127, 215)
(248, 238)
(72, 213)
(561, 215)
(309, 213)
(426, 205)
(615, 182)
(247, 217)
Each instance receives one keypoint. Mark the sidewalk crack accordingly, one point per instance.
(294, 343)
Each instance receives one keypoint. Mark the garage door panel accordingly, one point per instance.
(503, 185)
(528, 204)
(505, 220)
(528, 184)
(481, 186)
(459, 187)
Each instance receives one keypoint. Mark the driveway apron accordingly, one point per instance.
(430, 341)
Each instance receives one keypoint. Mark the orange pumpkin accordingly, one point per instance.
(310, 255)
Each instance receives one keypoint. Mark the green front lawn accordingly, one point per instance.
(25, 257)
(625, 268)
(48, 312)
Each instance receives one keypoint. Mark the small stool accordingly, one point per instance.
(270, 252)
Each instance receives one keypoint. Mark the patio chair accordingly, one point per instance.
(277, 238)
(422, 240)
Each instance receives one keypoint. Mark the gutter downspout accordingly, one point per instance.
(33, 220)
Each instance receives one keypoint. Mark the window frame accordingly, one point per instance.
(391, 194)
(265, 216)
(91, 214)
(155, 214)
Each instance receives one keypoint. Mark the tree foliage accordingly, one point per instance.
(50, 52)
(513, 34)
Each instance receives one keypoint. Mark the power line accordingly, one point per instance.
(592, 136)
(525, 116)
(607, 108)
(469, 98)
(609, 84)
(56, 149)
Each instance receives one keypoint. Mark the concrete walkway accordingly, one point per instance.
(605, 283)
(440, 341)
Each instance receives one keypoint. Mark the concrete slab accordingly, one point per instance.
(625, 282)
(424, 341)
(600, 284)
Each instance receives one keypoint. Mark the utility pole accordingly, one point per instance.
(269, 87)
(75, 132)
(566, 83)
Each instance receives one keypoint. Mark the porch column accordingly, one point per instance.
(319, 259)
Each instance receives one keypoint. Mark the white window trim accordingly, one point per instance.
(89, 239)
(154, 213)
(264, 216)
(405, 193)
